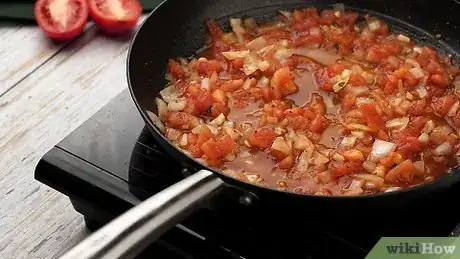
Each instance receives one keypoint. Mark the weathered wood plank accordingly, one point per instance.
(23, 49)
(36, 114)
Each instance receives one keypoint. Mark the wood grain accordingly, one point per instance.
(62, 89)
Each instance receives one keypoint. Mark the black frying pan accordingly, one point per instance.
(177, 28)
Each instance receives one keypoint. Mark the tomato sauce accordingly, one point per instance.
(316, 103)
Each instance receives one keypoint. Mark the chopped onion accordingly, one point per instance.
(232, 55)
(374, 25)
(409, 96)
(279, 131)
(412, 62)
(358, 134)
(205, 83)
(420, 165)
(417, 72)
(214, 130)
(394, 61)
(169, 93)
(302, 142)
(281, 145)
(177, 104)
(183, 140)
(247, 84)
(315, 31)
(319, 159)
(398, 123)
(356, 126)
(356, 184)
(282, 55)
(218, 120)
(429, 127)
(264, 65)
(393, 189)
(422, 92)
(381, 149)
(173, 134)
(252, 63)
(363, 100)
(348, 141)
(286, 14)
(338, 157)
(369, 166)
(453, 110)
(424, 138)
(162, 108)
(418, 49)
(321, 56)
(263, 82)
(443, 149)
(237, 29)
(403, 38)
(156, 121)
(304, 160)
(369, 177)
(257, 43)
(233, 133)
(357, 90)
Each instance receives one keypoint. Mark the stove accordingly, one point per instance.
(111, 163)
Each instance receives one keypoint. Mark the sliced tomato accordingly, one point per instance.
(61, 19)
(115, 16)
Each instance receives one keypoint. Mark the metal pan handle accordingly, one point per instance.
(134, 230)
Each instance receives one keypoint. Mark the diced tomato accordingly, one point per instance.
(442, 105)
(276, 35)
(282, 80)
(307, 40)
(347, 18)
(219, 96)
(262, 138)
(439, 80)
(203, 101)
(347, 102)
(327, 17)
(372, 117)
(232, 85)
(319, 124)
(176, 69)
(407, 146)
(335, 69)
(217, 149)
(204, 135)
(346, 168)
(402, 173)
(207, 67)
(218, 108)
(305, 24)
(238, 63)
(417, 107)
(195, 150)
(178, 120)
(294, 112)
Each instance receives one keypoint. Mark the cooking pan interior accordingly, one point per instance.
(177, 29)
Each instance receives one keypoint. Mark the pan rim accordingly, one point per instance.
(450, 178)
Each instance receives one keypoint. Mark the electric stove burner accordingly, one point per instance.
(111, 163)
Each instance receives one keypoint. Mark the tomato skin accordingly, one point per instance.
(373, 119)
(108, 22)
(41, 10)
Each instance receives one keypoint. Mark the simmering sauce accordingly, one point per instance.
(316, 103)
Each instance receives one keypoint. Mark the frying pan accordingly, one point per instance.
(177, 29)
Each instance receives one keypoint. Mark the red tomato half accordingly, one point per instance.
(61, 19)
(115, 16)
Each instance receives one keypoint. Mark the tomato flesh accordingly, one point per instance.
(115, 16)
(61, 19)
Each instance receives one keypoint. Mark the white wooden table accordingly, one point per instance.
(46, 91)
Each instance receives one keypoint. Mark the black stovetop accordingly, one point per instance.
(111, 163)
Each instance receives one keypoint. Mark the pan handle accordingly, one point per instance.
(134, 230)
